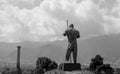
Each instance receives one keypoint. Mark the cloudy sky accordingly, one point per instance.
(43, 20)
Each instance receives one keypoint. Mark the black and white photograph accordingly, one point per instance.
(59, 36)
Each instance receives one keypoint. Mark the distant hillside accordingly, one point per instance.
(52, 51)
(6, 48)
(106, 45)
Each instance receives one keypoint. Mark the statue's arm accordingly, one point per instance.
(78, 34)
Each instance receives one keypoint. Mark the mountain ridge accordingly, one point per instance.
(105, 45)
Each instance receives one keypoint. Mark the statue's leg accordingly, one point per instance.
(69, 50)
(75, 53)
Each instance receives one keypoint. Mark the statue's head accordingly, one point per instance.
(71, 26)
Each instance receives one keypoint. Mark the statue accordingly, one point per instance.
(72, 35)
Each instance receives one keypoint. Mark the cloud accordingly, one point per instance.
(112, 18)
(27, 4)
(37, 20)
(85, 15)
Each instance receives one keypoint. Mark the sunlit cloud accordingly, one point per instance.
(112, 18)
(45, 20)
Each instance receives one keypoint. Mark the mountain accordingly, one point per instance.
(106, 45)
(31, 51)
(6, 48)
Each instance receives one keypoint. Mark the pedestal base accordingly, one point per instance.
(70, 66)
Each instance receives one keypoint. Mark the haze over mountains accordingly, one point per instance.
(106, 45)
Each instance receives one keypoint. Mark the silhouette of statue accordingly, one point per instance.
(72, 35)
(95, 62)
